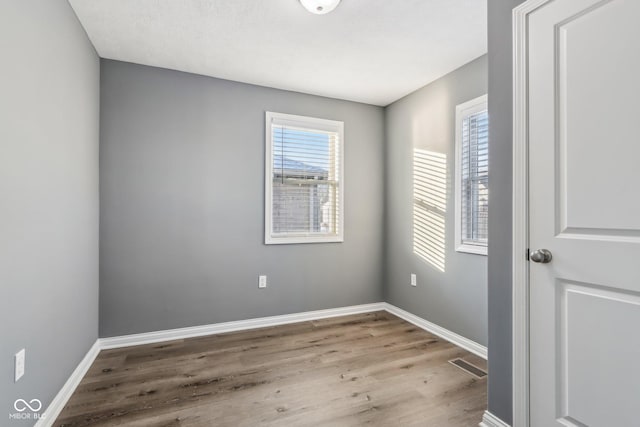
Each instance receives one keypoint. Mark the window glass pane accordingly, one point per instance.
(305, 181)
(475, 178)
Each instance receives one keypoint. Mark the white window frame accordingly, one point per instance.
(464, 110)
(303, 122)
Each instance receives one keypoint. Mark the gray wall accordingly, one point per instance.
(48, 197)
(182, 204)
(500, 152)
(456, 298)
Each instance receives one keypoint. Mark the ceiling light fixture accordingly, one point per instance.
(320, 7)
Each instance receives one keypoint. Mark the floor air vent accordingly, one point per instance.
(468, 368)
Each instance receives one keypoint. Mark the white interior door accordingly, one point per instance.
(584, 207)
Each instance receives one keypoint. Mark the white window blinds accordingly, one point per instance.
(472, 146)
(475, 178)
(304, 179)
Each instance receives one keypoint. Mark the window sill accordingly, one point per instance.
(269, 240)
(472, 249)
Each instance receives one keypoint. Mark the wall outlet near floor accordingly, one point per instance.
(262, 281)
(19, 365)
(414, 280)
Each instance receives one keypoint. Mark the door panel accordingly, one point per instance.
(589, 321)
(584, 206)
(596, 117)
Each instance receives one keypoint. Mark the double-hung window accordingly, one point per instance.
(472, 176)
(304, 179)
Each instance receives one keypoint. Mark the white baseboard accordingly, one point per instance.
(58, 402)
(240, 325)
(263, 322)
(490, 420)
(452, 337)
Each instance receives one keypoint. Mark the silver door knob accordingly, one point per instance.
(541, 255)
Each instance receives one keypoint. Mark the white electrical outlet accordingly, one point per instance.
(262, 281)
(19, 364)
(414, 280)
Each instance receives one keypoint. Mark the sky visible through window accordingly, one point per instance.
(300, 151)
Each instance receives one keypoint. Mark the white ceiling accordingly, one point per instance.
(372, 51)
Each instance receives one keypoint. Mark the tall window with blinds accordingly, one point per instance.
(304, 179)
(472, 176)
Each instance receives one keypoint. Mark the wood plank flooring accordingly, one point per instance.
(370, 369)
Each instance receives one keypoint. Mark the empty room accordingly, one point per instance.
(319, 213)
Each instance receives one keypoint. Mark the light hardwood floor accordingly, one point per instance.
(368, 369)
